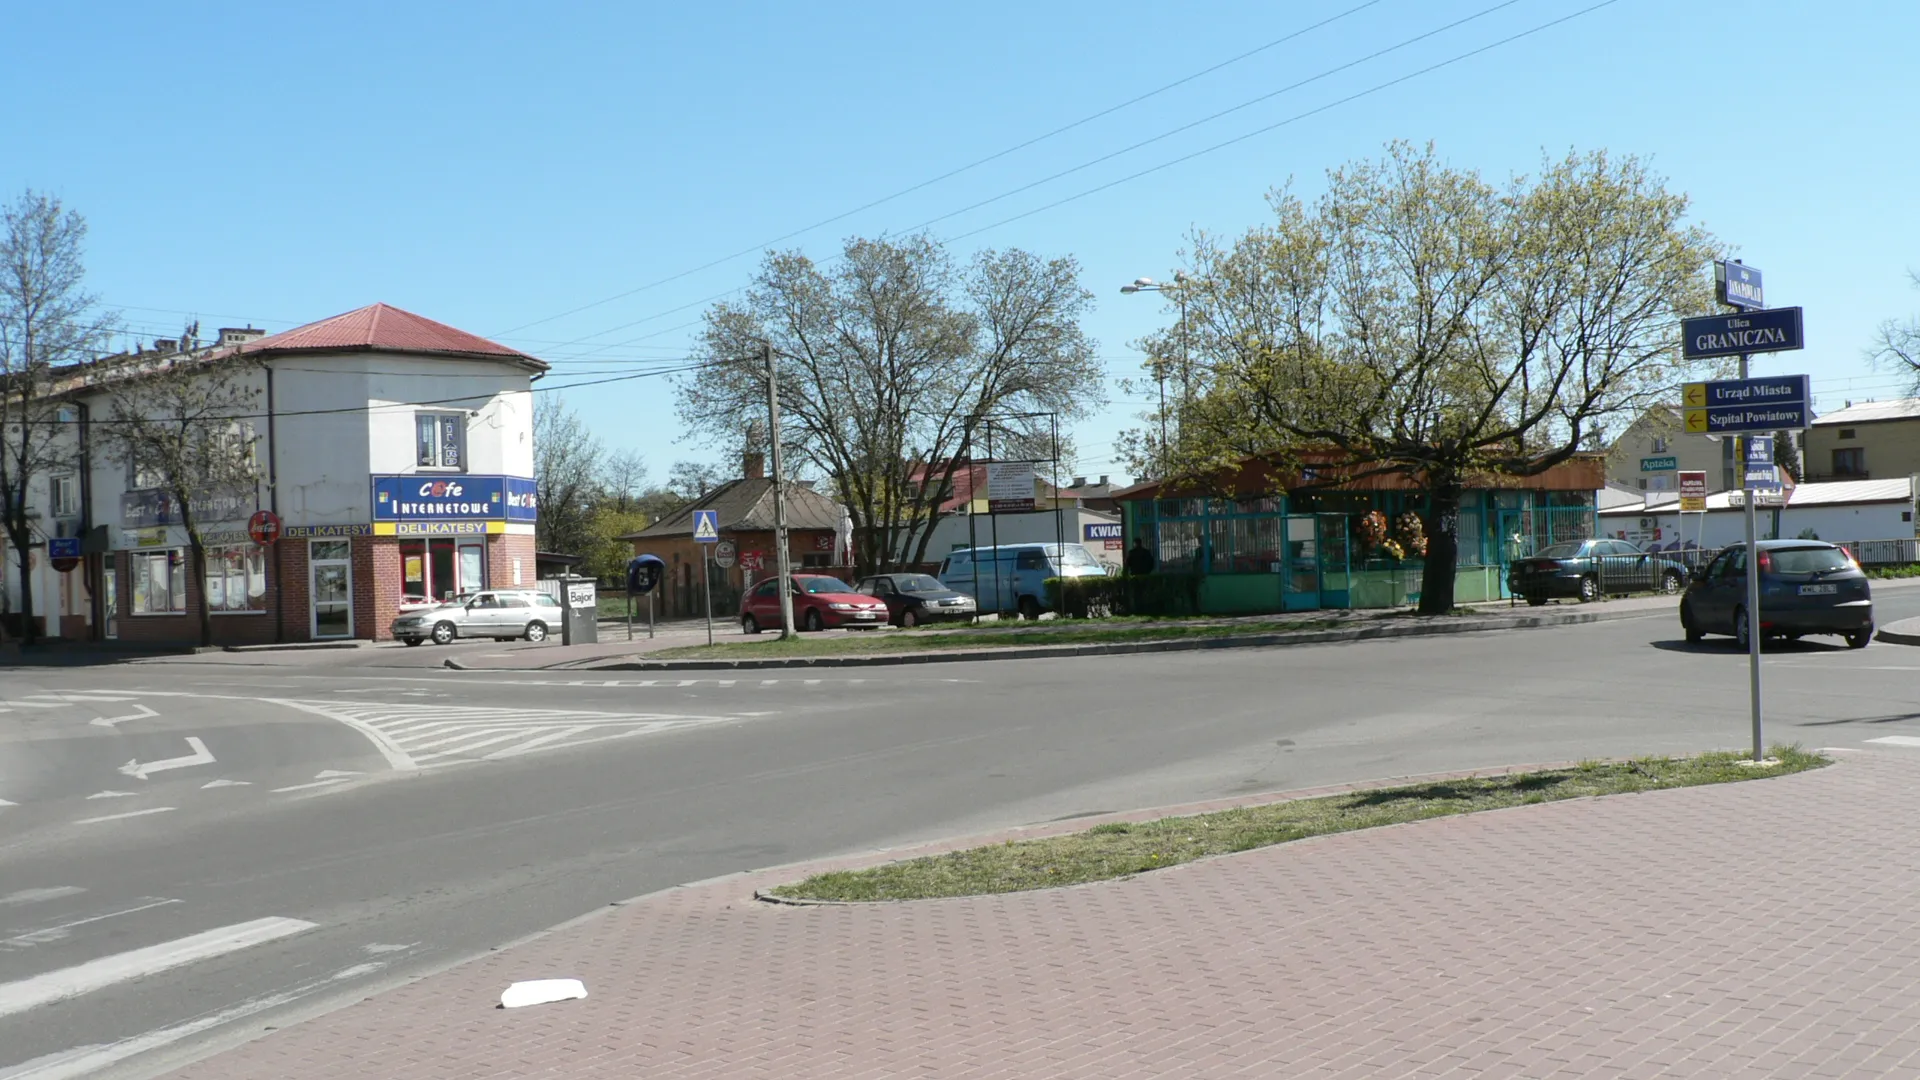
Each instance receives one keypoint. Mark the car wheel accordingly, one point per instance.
(444, 633)
(813, 621)
(1694, 633)
(1536, 601)
(1861, 638)
(1589, 590)
(1741, 638)
(412, 641)
(908, 620)
(748, 625)
(1029, 609)
(1670, 584)
(536, 631)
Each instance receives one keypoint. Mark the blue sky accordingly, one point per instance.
(492, 166)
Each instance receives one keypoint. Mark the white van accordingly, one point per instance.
(1012, 577)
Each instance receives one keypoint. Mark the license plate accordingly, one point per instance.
(864, 615)
(1816, 590)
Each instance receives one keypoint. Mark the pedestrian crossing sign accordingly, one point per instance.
(706, 526)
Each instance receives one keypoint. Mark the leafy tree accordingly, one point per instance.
(606, 557)
(47, 322)
(1419, 320)
(184, 424)
(1786, 454)
(890, 360)
(567, 460)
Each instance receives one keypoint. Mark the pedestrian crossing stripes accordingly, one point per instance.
(415, 736)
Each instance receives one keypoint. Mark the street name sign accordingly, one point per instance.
(706, 526)
(1739, 284)
(1659, 464)
(1770, 330)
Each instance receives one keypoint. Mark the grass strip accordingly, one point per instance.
(1121, 849)
(1031, 636)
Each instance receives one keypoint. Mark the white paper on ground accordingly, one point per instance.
(542, 991)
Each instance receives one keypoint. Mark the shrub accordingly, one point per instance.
(1143, 594)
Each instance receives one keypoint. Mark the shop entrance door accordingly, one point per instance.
(1335, 569)
(1302, 568)
(330, 565)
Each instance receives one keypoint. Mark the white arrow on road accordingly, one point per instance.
(109, 721)
(200, 756)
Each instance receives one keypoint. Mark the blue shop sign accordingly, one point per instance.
(423, 497)
(1103, 532)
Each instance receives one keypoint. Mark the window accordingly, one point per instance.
(237, 579)
(768, 587)
(141, 477)
(1029, 560)
(1851, 461)
(159, 580)
(816, 561)
(514, 602)
(1659, 444)
(66, 495)
(1847, 433)
(442, 440)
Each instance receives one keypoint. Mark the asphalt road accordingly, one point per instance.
(191, 854)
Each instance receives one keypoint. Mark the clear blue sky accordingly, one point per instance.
(490, 165)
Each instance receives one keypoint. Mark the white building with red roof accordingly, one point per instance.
(395, 452)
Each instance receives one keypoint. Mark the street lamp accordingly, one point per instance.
(1178, 287)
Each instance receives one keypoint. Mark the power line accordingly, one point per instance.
(956, 172)
(1374, 89)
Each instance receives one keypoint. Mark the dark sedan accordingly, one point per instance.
(1806, 587)
(1588, 569)
(913, 599)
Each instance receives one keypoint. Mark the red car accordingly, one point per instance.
(819, 603)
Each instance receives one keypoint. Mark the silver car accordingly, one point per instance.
(501, 614)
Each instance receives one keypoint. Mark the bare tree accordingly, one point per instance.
(183, 425)
(889, 364)
(623, 479)
(692, 480)
(47, 322)
(567, 458)
(1896, 345)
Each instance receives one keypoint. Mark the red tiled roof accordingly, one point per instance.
(384, 328)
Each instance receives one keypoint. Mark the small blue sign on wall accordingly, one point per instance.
(1102, 532)
(63, 547)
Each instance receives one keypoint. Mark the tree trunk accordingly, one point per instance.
(23, 552)
(1443, 543)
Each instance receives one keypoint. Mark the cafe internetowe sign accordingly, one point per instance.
(462, 498)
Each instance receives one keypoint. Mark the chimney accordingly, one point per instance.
(166, 345)
(753, 465)
(1078, 481)
(1103, 479)
(233, 335)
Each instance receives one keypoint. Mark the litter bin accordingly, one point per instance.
(581, 603)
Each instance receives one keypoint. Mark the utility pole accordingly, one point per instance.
(783, 561)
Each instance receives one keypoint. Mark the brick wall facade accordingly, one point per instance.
(250, 628)
(680, 592)
(502, 550)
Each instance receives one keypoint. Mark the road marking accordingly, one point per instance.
(83, 1061)
(112, 795)
(35, 896)
(224, 783)
(356, 971)
(4, 802)
(417, 735)
(329, 782)
(117, 817)
(378, 949)
(96, 974)
(109, 721)
(1896, 740)
(200, 756)
(56, 933)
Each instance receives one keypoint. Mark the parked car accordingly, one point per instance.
(1586, 569)
(1012, 577)
(502, 614)
(1806, 587)
(912, 599)
(819, 603)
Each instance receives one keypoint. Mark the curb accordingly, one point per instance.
(1904, 632)
(1454, 625)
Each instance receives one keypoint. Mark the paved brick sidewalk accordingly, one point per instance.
(1761, 929)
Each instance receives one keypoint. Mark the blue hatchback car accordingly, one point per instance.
(1806, 587)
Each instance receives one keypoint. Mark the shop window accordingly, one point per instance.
(159, 582)
(441, 569)
(816, 560)
(237, 579)
(442, 440)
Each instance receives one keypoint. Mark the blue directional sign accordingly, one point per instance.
(1735, 419)
(1772, 330)
(706, 526)
(1739, 284)
(1731, 406)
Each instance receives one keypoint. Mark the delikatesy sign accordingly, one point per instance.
(1771, 330)
(423, 497)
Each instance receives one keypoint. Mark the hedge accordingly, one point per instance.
(1126, 594)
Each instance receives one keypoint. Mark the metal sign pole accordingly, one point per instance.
(706, 585)
(1749, 495)
(649, 616)
(629, 614)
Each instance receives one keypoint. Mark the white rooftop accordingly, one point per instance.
(1836, 493)
(1862, 412)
